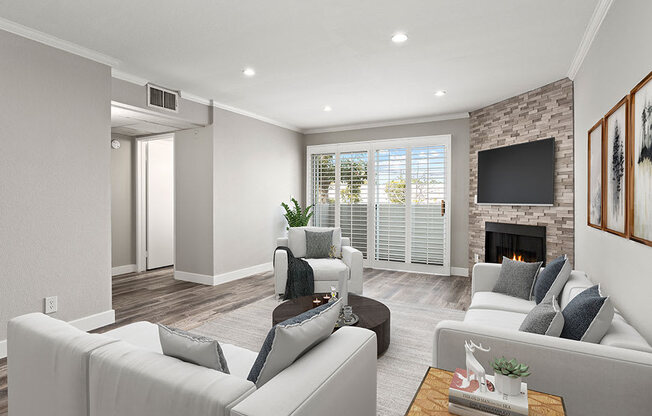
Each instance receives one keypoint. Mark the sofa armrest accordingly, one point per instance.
(484, 277)
(592, 378)
(337, 377)
(352, 257)
(130, 381)
(282, 242)
(280, 271)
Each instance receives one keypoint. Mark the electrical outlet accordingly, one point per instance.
(51, 304)
(476, 257)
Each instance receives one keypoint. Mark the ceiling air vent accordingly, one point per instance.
(162, 98)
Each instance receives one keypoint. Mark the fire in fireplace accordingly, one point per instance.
(516, 242)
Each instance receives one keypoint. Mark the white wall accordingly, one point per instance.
(123, 203)
(619, 58)
(257, 166)
(55, 219)
(459, 129)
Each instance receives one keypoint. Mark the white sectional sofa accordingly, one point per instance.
(610, 378)
(328, 272)
(57, 370)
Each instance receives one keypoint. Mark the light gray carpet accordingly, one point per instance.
(400, 369)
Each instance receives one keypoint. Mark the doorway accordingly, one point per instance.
(155, 229)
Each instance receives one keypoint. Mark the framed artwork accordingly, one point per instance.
(615, 212)
(641, 162)
(595, 175)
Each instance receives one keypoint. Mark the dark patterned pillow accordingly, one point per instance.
(290, 339)
(516, 278)
(588, 316)
(545, 319)
(551, 280)
(192, 348)
(318, 244)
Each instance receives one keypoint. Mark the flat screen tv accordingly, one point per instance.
(522, 174)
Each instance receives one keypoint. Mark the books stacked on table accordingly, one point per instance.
(467, 398)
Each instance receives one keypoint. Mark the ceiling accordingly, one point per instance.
(134, 122)
(308, 53)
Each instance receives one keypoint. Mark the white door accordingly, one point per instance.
(160, 203)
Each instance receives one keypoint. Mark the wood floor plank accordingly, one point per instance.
(156, 297)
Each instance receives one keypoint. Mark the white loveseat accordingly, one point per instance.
(329, 271)
(610, 378)
(57, 370)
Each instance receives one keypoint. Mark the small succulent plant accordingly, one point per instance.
(511, 368)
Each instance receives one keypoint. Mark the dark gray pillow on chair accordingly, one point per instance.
(551, 280)
(192, 348)
(588, 316)
(318, 244)
(516, 278)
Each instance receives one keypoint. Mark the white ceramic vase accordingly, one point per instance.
(508, 385)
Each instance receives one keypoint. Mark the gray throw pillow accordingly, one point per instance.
(290, 339)
(192, 348)
(318, 244)
(545, 319)
(551, 279)
(516, 278)
(588, 316)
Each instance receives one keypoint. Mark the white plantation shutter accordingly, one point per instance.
(354, 198)
(323, 189)
(428, 168)
(390, 194)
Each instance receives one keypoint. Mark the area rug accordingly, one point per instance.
(400, 369)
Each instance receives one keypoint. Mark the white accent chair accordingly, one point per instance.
(613, 377)
(344, 273)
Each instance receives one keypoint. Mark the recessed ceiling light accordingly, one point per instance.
(328, 108)
(249, 72)
(440, 93)
(399, 37)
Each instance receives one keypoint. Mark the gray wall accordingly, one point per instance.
(618, 59)
(193, 181)
(459, 130)
(257, 166)
(55, 221)
(123, 202)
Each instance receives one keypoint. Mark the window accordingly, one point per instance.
(390, 197)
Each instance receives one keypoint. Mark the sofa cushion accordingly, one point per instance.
(551, 279)
(588, 316)
(240, 359)
(297, 239)
(192, 348)
(622, 335)
(500, 302)
(491, 318)
(290, 339)
(318, 244)
(328, 269)
(516, 278)
(576, 284)
(544, 319)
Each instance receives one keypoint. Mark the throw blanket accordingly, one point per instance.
(301, 280)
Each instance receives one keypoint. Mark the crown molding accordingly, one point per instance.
(124, 76)
(389, 123)
(256, 116)
(590, 33)
(57, 43)
(195, 98)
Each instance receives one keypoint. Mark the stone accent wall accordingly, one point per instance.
(538, 114)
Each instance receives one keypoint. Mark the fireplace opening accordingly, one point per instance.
(517, 242)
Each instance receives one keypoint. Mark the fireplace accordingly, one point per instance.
(518, 242)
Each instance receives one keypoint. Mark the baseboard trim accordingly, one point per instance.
(87, 323)
(219, 279)
(460, 271)
(127, 268)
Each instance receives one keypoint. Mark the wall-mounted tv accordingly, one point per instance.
(521, 174)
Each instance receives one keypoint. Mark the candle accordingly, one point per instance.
(316, 303)
(326, 298)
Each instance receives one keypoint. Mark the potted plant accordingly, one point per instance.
(295, 216)
(508, 375)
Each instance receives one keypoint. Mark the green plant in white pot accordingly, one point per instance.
(508, 375)
(296, 216)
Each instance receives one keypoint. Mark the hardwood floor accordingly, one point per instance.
(155, 296)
